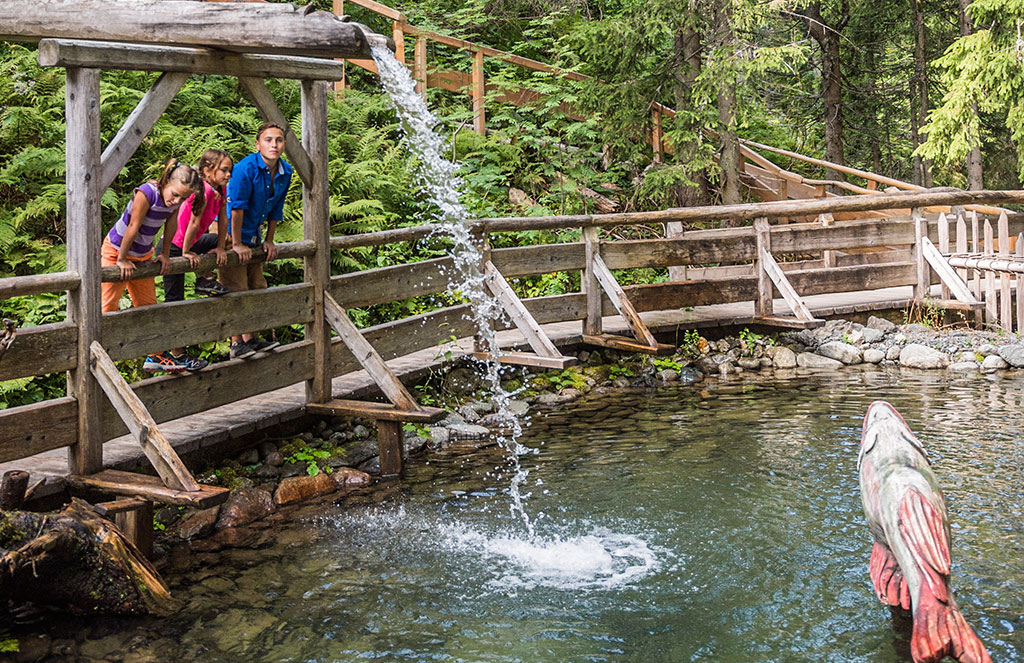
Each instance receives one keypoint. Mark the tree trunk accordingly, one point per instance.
(827, 38)
(975, 180)
(919, 96)
(729, 143)
(78, 562)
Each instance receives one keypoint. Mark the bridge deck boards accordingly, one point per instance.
(260, 412)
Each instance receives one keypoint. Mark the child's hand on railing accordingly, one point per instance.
(165, 264)
(222, 256)
(271, 250)
(127, 267)
(193, 259)
(243, 252)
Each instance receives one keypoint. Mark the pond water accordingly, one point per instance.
(713, 523)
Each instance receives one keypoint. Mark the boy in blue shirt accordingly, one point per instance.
(256, 194)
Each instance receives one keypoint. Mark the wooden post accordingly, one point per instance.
(399, 36)
(478, 89)
(763, 305)
(675, 272)
(12, 489)
(976, 280)
(944, 247)
(592, 323)
(84, 231)
(1005, 305)
(391, 447)
(991, 311)
(922, 284)
(961, 244)
(317, 227)
(137, 525)
(656, 134)
(419, 65)
(338, 7)
(481, 242)
(1020, 286)
(828, 257)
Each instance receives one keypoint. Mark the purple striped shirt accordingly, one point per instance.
(155, 218)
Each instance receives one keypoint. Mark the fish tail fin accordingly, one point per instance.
(940, 630)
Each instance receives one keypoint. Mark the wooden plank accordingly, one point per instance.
(134, 415)
(789, 294)
(228, 26)
(621, 303)
(787, 322)
(957, 305)
(943, 227)
(28, 430)
(378, 8)
(976, 282)
(316, 227)
(629, 345)
(519, 315)
(367, 357)
(1020, 286)
(136, 332)
(267, 107)
(947, 275)
(961, 245)
(339, 407)
(589, 283)
(390, 448)
(478, 91)
(991, 310)
(147, 487)
(656, 135)
(1005, 305)
(138, 125)
(539, 259)
(40, 350)
(923, 278)
(763, 304)
(149, 57)
(527, 359)
(119, 506)
(82, 158)
(22, 286)
(390, 284)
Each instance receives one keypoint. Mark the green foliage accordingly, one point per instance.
(311, 457)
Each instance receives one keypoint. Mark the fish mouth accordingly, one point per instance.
(878, 411)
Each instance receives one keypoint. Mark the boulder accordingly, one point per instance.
(964, 367)
(688, 375)
(881, 324)
(811, 360)
(749, 363)
(784, 358)
(873, 356)
(892, 353)
(347, 476)
(468, 413)
(244, 507)
(844, 352)
(468, 432)
(915, 355)
(986, 349)
(199, 524)
(1013, 355)
(869, 335)
(518, 408)
(993, 363)
(300, 489)
(668, 375)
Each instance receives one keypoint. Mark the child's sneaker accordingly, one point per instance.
(241, 350)
(210, 287)
(163, 362)
(191, 363)
(259, 345)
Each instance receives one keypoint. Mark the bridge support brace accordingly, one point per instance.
(928, 256)
(768, 274)
(598, 280)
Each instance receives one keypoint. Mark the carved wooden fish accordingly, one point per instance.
(910, 560)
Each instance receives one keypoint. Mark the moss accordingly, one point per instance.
(9, 532)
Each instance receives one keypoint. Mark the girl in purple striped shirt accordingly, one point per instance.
(130, 241)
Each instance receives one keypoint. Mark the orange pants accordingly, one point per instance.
(142, 291)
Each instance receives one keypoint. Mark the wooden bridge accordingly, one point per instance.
(738, 267)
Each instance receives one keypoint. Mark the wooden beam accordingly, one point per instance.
(82, 149)
(147, 487)
(991, 309)
(947, 275)
(367, 357)
(285, 250)
(40, 350)
(137, 525)
(237, 27)
(763, 305)
(134, 415)
(1020, 285)
(316, 227)
(528, 359)
(419, 66)
(339, 407)
(28, 430)
(399, 37)
(787, 322)
(478, 91)
(589, 283)
(626, 344)
(265, 103)
(520, 316)
(138, 125)
(390, 448)
(778, 277)
(622, 304)
(151, 57)
(923, 284)
(22, 286)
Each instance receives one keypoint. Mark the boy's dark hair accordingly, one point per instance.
(268, 125)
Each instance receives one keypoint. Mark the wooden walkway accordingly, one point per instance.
(250, 415)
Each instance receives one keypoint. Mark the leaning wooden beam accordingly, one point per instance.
(135, 416)
(778, 277)
(521, 318)
(947, 275)
(148, 488)
(238, 27)
(621, 303)
(264, 101)
(151, 57)
(923, 285)
(367, 357)
(138, 125)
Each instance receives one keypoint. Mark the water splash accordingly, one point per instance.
(439, 179)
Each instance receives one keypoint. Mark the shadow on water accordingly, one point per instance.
(686, 524)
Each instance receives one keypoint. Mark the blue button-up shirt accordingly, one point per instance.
(249, 190)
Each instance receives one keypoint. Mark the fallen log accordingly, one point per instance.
(76, 561)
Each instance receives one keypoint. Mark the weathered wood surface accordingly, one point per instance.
(40, 350)
(763, 303)
(136, 332)
(133, 413)
(20, 286)
(613, 291)
(82, 140)
(116, 482)
(528, 359)
(390, 448)
(137, 126)
(12, 489)
(149, 57)
(137, 525)
(241, 27)
(394, 283)
(1005, 305)
(617, 342)
(28, 430)
(339, 407)
(518, 313)
(539, 259)
(316, 227)
(208, 262)
(950, 280)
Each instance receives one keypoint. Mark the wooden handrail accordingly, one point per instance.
(36, 284)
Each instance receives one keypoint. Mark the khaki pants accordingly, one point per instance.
(242, 277)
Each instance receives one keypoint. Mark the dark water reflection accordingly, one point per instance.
(720, 523)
